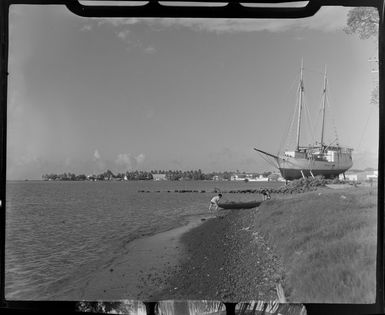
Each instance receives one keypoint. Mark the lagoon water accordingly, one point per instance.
(59, 233)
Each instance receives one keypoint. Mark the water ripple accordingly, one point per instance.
(59, 233)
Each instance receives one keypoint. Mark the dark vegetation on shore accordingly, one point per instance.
(296, 186)
(172, 175)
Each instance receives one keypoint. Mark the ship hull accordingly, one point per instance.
(290, 174)
(294, 168)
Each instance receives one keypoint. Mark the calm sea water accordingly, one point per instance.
(59, 233)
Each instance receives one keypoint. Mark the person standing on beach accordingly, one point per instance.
(266, 194)
(214, 202)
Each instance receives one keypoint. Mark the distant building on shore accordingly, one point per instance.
(373, 177)
(276, 177)
(249, 178)
(261, 178)
(240, 177)
(159, 177)
(91, 177)
(360, 176)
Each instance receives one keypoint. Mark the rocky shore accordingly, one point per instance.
(220, 258)
(227, 260)
(275, 252)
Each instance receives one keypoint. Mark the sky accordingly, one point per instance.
(87, 95)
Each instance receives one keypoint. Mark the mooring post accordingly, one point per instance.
(150, 307)
(230, 308)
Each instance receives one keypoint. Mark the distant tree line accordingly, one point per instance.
(145, 175)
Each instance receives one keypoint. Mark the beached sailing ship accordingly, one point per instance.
(328, 160)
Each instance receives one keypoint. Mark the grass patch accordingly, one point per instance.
(326, 240)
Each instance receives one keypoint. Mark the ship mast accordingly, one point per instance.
(301, 88)
(323, 110)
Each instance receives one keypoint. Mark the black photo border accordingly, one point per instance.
(233, 9)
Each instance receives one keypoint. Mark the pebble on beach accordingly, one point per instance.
(226, 260)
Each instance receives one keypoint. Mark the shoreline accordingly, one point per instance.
(297, 248)
(226, 261)
(142, 270)
(246, 255)
(195, 261)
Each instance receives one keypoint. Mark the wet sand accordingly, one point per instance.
(142, 271)
(221, 258)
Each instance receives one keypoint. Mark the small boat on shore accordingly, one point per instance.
(239, 205)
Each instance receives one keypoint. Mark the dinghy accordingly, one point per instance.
(239, 204)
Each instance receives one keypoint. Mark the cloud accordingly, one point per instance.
(96, 155)
(99, 163)
(127, 162)
(140, 158)
(328, 19)
(149, 50)
(29, 166)
(124, 35)
(119, 21)
(86, 28)
(123, 32)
